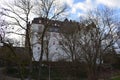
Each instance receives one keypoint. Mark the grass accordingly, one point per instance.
(56, 74)
(116, 78)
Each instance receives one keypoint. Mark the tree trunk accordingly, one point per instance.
(41, 53)
(29, 50)
(92, 74)
(20, 72)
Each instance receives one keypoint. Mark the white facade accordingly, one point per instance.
(53, 37)
(54, 47)
(34, 41)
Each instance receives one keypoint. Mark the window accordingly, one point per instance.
(60, 42)
(53, 42)
(38, 48)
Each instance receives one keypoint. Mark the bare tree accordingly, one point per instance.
(91, 39)
(3, 26)
(8, 44)
(19, 11)
(96, 37)
(68, 42)
(49, 10)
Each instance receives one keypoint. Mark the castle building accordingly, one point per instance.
(52, 40)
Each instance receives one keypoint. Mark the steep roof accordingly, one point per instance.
(56, 25)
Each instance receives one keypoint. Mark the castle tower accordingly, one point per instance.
(36, 30)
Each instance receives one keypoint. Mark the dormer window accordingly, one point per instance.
(38, 48)
(54, 43)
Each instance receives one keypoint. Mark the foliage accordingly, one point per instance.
(117, 78)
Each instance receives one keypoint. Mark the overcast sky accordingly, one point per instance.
(80, 7)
